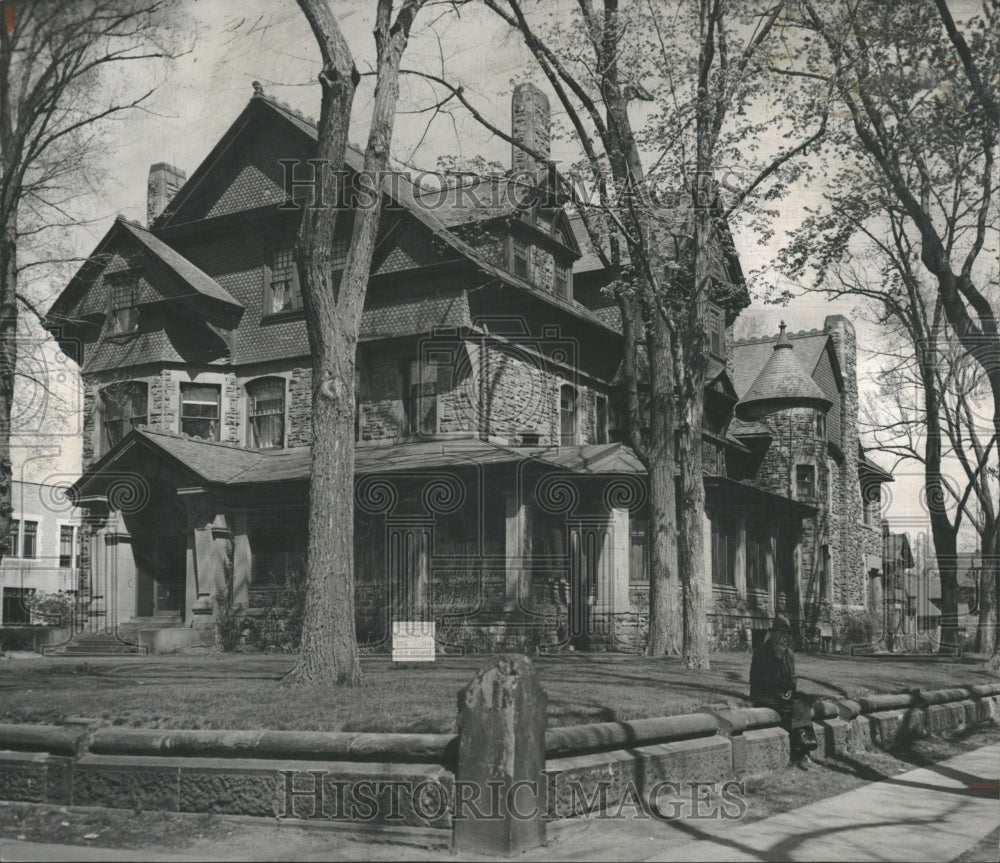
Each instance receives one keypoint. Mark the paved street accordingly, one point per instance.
(931, 813)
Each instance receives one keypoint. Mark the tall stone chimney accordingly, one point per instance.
(164, 181)
(529, 124)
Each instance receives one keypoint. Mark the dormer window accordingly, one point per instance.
(281, 282)
(124, 317)
(567, 415)
(521, 258)
(562, 281)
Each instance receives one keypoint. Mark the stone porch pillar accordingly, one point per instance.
(517, 553)
(613, 565)
(740, 563)
(118, 573)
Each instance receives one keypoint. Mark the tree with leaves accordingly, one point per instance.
(57, 64)
(333, 305)
(656, 217)
(912, 175)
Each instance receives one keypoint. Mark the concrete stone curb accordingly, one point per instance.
(296, 774)
(301, 745)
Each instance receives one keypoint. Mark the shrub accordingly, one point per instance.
(859, 627)
(51, 609)
(230, 621)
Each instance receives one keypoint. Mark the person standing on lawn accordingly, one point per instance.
(773, 684)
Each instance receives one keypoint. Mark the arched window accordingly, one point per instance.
(266, 413)
(567, 415)
(125, 407)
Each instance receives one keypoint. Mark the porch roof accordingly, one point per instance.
(734, 494)
(221, 464)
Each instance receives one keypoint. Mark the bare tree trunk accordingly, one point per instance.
(8, 364)
(329, 650)
(989, 543)
(693, 363)
(665, 614)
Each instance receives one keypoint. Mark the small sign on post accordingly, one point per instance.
(413, 641)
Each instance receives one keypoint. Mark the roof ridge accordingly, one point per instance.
(788, 334)
(182, 436)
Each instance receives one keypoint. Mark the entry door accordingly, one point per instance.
(169, 574)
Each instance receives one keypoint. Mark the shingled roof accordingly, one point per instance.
(224, 464)
(782, 382)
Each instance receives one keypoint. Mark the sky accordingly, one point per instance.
(229, 44)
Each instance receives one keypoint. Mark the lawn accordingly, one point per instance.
(245, 690)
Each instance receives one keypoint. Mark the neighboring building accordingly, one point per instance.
(44, 549)
(493, 494)
(899, 586)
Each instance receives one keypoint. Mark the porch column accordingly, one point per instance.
(242, 560)
(740, 564)
(613, 568)
(516, 551)
(119, 573)
(204, 558)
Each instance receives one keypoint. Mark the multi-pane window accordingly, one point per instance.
(521, 252)
(266, 413)
(725, 540)
(65, 545)
(15, 536)
(567, 415)
(805, 481)
(757, 548)
(283, 294)
(125, 408)
(420, 390)
(200, 410)
(785, 563)
(561, 280)
(124, 310)
(30, 540)
(600, 419)
(821, 425)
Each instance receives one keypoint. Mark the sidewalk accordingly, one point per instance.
(932, 813)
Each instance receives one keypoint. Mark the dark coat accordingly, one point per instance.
(772, 673)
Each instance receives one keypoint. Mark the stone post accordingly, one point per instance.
(501, 759)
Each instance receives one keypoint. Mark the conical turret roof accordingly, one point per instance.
(782, 383)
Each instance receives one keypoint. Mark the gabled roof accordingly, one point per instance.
(397, 189)
(191, 279)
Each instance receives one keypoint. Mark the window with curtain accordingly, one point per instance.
(266, 413)
(200, 410)
(757, 547)
(282, 292)
(124, 308)
(65, 545)
(567, 415)
(805, 481)
(125, 408)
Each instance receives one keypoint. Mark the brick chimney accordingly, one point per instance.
(164, 181)
(529, 124)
